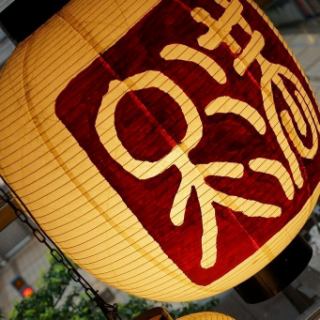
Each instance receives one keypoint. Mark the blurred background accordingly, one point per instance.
(25, 265)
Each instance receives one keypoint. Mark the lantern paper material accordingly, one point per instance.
(206, 316)
(170, 148)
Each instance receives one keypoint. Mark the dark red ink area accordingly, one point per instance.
(225, 137)
(158, 110)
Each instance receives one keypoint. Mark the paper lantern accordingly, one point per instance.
(170, 148)
(206, 316)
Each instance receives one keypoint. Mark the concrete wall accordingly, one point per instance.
(28, 263)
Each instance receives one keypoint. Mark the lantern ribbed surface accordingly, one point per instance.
(169, 148)
(206, 316)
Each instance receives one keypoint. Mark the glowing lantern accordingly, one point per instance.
(170, 148)
(206, 316)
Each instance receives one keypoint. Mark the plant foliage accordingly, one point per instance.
(58, 298)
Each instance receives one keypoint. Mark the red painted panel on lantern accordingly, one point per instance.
(150, 124)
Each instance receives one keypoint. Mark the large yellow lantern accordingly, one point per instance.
(170, 148)
(206, 316)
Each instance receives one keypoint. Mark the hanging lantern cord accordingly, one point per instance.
(109, 310)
